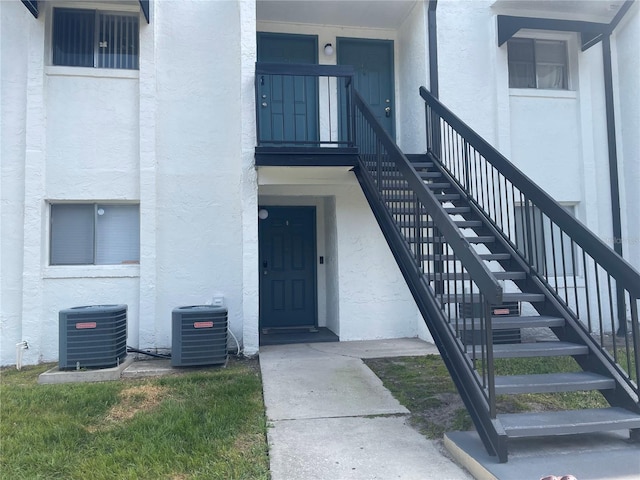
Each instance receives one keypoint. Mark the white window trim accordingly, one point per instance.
(50, 69)
(64, 71)
(91, 271)
(572, 65)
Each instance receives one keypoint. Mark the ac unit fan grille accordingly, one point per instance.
(199, 336)
(93, 337)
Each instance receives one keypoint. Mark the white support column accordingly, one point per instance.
(35, 241)
(250, 280)
(145, 334)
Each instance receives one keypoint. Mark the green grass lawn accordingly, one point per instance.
(199, 424)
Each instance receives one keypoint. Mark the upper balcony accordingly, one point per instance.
(304, 115)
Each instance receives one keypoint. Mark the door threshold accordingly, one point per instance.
(271, 330)
(280, 336)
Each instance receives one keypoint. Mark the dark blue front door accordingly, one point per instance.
(373, 64)
(287, 267)
(288, 105)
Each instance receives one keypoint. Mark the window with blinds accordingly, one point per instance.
(91, 38)
(537, 63)
(94, 234)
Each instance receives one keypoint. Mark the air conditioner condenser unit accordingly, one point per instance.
(199, 335)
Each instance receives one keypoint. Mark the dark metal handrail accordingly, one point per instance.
(451, 285)
(558, 250)
(487, 283)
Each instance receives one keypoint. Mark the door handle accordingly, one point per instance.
(387, 111)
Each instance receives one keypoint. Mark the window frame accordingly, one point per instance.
(94, 247)
(535, 40)
(98, 9)
(543, 251)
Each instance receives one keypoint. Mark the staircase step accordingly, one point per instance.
(506, 298)
(435, 174)
(552, 382)
(420, 165)
(447, 197)
(456, 210)
(489, 257)
(534, 321)
(437, 185)
(539, 349)
(508, 322)
(465, 276)
(474, 240)
(568, 422)
(430, 224)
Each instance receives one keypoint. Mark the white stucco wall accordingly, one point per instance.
(627, 61)
(412, 66)
(199, 154)
(15, 21)
(558, 138)
(176, 136)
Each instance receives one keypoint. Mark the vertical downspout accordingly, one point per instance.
(613, 174)
(438, 266)
(433, 48)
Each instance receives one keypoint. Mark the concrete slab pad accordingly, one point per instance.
(300, 386)
(396, 347)
(382, 448)
(148, 368)
(55, 375)
(600, 456)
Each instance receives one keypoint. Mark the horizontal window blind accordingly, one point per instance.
(72, 234)
(117, 234)
(91, 234)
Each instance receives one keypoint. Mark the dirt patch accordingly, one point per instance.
(140, 398)
(135, 399)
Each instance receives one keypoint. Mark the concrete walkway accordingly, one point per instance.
(331, 418)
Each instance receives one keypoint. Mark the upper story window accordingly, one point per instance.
(537, 63)
(92, 38)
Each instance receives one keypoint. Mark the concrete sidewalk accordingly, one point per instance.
(331, 418)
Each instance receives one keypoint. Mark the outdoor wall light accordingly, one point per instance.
(263, 213)
(328, 49)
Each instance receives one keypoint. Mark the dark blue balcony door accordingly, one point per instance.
(287, 246)
(288, 105)
(373, 64)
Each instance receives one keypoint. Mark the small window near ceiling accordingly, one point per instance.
(538, 64)
(91, 38)
(94, 234)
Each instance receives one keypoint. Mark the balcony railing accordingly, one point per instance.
(304, 107)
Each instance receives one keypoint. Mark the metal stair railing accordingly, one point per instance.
(598, 289)
(451, 285)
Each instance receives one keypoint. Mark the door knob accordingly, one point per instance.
(387, 111)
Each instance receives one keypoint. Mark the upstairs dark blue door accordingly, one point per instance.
(373, 64)
(288, 105)
(287, 267)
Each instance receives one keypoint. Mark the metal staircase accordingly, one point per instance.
(473, 237)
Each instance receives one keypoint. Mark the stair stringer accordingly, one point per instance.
(458, 364)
